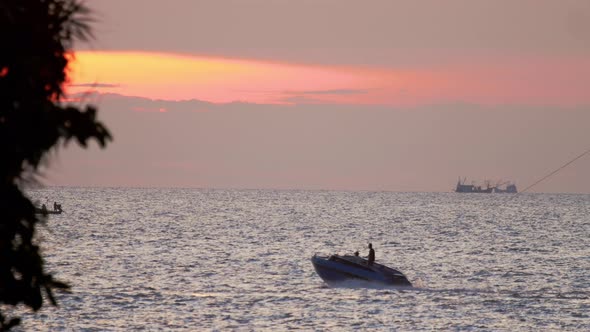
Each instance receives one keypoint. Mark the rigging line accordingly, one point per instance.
(555, 171)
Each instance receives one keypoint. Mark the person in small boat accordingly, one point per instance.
(371, 258)
(56, 207)
(43, 208)
(356, 253)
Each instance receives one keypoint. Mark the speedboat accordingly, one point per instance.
(335, 269)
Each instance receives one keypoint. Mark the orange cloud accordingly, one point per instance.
(222, 80)
(176, 77)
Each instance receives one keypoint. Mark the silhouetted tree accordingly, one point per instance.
(36, 39)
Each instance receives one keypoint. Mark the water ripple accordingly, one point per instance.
(183, 259)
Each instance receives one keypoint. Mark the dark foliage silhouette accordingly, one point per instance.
(36, 37)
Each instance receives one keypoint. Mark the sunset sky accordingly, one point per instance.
(334, 94)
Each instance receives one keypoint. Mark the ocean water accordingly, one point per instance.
(224, 260)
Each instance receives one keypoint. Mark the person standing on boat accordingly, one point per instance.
(371, 257)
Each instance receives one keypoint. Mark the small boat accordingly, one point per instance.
(41, 211)
(335, 268)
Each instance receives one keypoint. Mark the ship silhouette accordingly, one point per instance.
(487, 188)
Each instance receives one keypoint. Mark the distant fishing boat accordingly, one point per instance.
(43, 209)
(40, 211)
(501, 187)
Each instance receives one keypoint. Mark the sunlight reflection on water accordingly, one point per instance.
(181, 259)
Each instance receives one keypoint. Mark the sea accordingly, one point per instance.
(239, 260)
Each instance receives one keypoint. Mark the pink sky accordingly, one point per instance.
(554, 81)
(396, 95)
